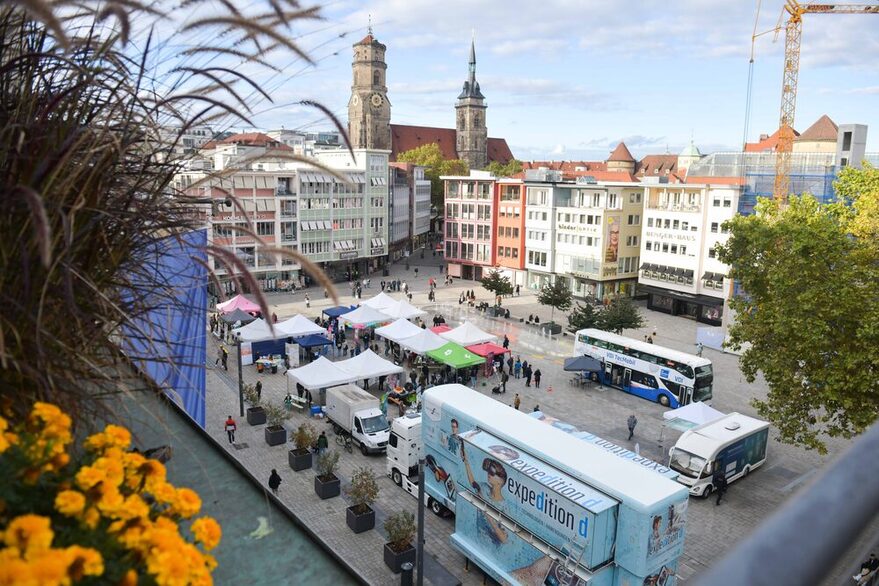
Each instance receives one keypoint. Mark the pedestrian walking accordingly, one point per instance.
(474, 372)
(537, 375)
(699, 349)
(504, 378)
(517, 290)
(517, 401)
(219, 355)
(510, 365)
(307, 301)
(506, 342)
(719, 483)
(225, 358)
(517, 367)
(632, 421)
(649, 339)
(536, 408)
(322, 443)
(526, 370)
(416, 272)
(230, 429)
(274, 481)
(259, 390)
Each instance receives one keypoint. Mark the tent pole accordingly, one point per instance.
(240, 381)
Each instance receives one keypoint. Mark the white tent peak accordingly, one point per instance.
(398, 330)
(380, 302)
(404, 309)
(298, 326)
(257, 331)
(364, 316)
(423, 342)
(697, 413)
(468, 334)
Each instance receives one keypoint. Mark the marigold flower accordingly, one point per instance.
(51, 421)
(88, 476)
(187, 503)
(49, 568)
(169, 568)
(163, 492)
(129, 579)
(29, 534)
(6, 438)
(207, 532)
(117, 436)
(112, 468)
(110, 501)
(91, 517)
(83, 561)
(69, 502)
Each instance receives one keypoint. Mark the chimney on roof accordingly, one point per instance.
(763, 137)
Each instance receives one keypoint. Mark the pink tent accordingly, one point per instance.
(237, 302)
(486, 349)
(440, 329)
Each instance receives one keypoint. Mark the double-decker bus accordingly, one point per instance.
(655, 373)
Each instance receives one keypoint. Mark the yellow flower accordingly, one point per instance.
(207, 532)
(69, 502)
(187, 503)
(14, 571)
(112, 468)
(83, 561)
(117, 436)
(134, 508)
(169, 568)
(50, 568)
(110, 501)
(51, 422)
(89, 476)
(163, 492)
(6, 439)
(29, 534)
(91, 518)
(129, 579)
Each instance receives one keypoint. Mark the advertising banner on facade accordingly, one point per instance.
(560, 510)
(658, 537)
(611, 239)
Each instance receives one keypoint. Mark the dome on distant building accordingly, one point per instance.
(688, 157)
(691, 150)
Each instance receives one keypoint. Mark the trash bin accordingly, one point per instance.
(406, 574)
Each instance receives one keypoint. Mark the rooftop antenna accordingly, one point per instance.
(369, 25)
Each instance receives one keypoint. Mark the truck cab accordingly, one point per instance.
(354, 411)
(404, 447)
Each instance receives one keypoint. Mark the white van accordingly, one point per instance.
(735, 442)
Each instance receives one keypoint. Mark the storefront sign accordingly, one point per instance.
(377, 250)
(609, 272)
(669, 236)
(349, 254)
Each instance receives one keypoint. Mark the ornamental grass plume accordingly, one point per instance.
(108, 516)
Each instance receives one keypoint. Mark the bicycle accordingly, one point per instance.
(344, 440)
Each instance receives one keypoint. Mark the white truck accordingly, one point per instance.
(353, 411)
(404, 450)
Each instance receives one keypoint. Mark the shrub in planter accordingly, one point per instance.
(326, 484)
(303, 438)
(398, 550)
(256, 414)
(275, 433)
(363, 492)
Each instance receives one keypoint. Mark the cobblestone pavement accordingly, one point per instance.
(711, 530)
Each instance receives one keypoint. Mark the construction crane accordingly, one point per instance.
(793, 30)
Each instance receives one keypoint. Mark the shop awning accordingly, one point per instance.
(238, 315)
(455, 356)
(337, 311)
(440, 329)
(468, 334)
(313, 340)
(487, 348)
(238, 302)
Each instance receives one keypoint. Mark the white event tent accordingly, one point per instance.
(692, 415)
(323, 374)
(298, 326)
(423, 342)
(468, 334)
(257, 331)
(398, 330)
(380, 302)
(403, 309)
(364, 316)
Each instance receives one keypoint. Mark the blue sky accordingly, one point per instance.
(568, 79)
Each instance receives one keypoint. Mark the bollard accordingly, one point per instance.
(406, 574)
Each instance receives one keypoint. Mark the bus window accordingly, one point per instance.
(687, 463)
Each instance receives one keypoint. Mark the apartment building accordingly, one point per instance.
(510, 222)
(410, 208)
(584, 231)
(469, 224)
(679, 270)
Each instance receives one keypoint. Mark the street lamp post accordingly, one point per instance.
(419, 551)
(240, 381)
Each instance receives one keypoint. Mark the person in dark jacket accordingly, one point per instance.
(274, 481)
(537, 375)
(719, 482)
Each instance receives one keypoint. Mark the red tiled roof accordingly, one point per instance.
(369, 40)
(823, 129)
(621, 154)
(765, 145)
(650, 164)
(603, 176)
(405, 138)
(250, 139)
(566, 166)
(716, 180)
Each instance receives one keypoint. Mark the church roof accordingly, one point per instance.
(823, 129)
(405, 138)
(691, 150)
(621, 154)
(249, 139)
(369, 40)
(656, 165)
(766, 144)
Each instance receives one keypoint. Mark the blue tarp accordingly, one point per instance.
(312, 340)
(168, 343)
(269, 347)
(340, 310)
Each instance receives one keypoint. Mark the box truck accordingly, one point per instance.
(536, 505)
(735, 444)
(353, 411)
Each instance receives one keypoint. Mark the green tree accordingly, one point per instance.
(431, 156)
(582, 317)
(620, 315)
(809, 321)
(508, 169)
(497, 283)
(556, 295)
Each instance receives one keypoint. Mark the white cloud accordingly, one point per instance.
(558, 150)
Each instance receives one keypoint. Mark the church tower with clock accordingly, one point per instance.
(471, 131)
(369, 111)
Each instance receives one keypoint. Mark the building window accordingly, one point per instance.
(685, 225)
(683, 249)
(675, 225)
(265, 228)
(674, 248)
(727, 203)
(634, 219)
(500, 250)
(515, 253)
(634, 198)
(611, 201)
(714, 227)
(664, 247)
(667, 224)
(648, 245)
(712, 253)
(649, 222)
(716, 203)
(632, 241)
(724, 229)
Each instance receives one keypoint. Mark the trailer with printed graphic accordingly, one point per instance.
(536, 505)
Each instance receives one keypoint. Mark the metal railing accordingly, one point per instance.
(804, 540)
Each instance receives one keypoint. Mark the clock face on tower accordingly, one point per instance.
(355, 100)
(376, 100)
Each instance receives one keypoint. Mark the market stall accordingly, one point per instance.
(403, 309)
(440, 329)
(237, 316)
(338, 310)
(381, 302)
(238, 302)
(364, 317)
(398, 330)
(298, 326)
(455, 356)
(422, 342)
(257, 331)
(468, 334)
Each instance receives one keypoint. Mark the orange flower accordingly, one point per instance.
(117, 436)
(69, 502)
(207, 532)
(89, 476)
(129, 579)
(187, 503)
(29, 534)
(83, 561)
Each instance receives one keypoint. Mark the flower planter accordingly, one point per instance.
(360, 523)
(299, 461)
(394, 559)
(276, 436)
(551, 327)
(256, 416)
(327, 489)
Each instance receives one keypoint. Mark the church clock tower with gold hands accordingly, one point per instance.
(369, 111)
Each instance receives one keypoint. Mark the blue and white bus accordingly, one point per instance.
(659, 374)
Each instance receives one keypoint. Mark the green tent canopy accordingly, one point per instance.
(455, 356)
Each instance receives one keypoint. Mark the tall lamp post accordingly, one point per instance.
(419, 551)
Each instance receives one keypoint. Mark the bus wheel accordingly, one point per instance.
(663, 400)
(435, 507)
(397, 477)
(746, 471)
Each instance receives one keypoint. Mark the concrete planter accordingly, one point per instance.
(360, 523)
(551, 327)
(299, 461)
(394, 560)
(327, 489)
(276, 436)
(256, 416)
